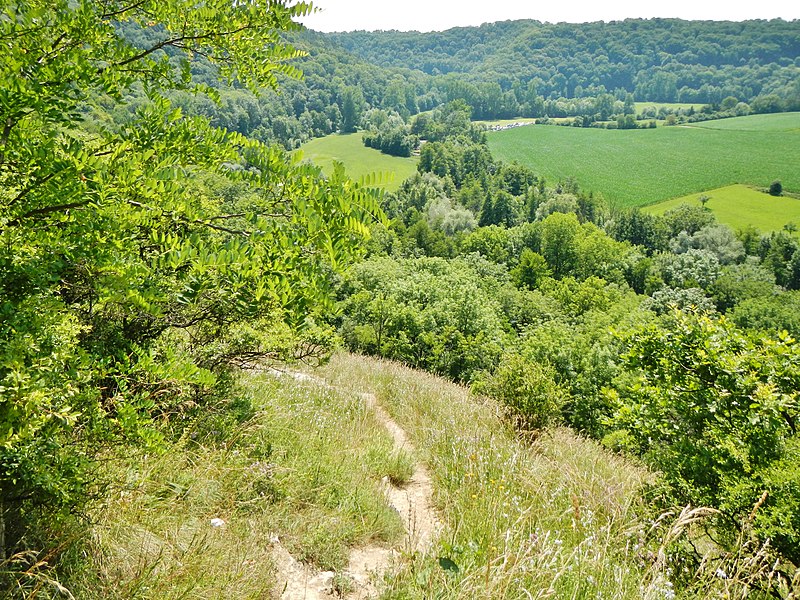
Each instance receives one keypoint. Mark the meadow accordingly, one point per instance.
(646, 166)
(642, 106)
(739, 206)
(359, 161)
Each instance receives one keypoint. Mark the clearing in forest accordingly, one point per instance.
(358, 160)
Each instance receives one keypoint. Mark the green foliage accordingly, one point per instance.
(531, 270)
(533, 61)
(716, 412)
(143, 258)
(528, 389)
(430, 313)
(769, 313)
(775, 188)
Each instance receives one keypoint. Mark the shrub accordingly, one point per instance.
(528, 388)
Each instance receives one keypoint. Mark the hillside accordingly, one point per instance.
(739, 207)
(665, 60)
(300, 504)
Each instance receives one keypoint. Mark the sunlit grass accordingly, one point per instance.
(557, 516)
(307, 468)
(359, 160)
(740, 206)
(640, 167)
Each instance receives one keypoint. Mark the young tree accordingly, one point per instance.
(352, 106)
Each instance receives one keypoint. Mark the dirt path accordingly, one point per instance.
(413, 502)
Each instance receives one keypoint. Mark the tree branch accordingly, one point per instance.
(114, 13)
(45, 210)
(178, 40)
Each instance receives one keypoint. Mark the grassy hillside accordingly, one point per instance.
(739, 206)
(358, 159)
(784, 122)
(557, 516)
(640, 167)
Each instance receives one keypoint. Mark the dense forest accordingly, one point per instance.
(157, 237)
(664, 60)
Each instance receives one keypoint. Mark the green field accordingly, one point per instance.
(739, 206)
(641, 106)
(645, 166)
(786, 122)
(358, 159)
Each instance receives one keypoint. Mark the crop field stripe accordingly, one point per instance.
(640, 167)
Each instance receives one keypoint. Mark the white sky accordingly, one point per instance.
(437, 15)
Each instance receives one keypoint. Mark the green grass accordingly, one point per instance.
(556, 516)
(358, 160)
(641, 106)
(640, 167)
(786, 122)
(552, 517)
(739, 206)
(307, 467)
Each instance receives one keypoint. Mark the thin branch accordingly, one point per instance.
(114, 13)
(178, 40)
(29, 189)
(45, 210)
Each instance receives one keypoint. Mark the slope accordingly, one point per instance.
(300, 489)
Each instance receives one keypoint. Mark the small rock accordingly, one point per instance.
(217, 522)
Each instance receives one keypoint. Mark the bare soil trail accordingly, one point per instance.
(413, 502)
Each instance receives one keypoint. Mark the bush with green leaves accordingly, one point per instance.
(527, 388)
(716, 411)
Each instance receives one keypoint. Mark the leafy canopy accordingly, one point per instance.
(141, 257)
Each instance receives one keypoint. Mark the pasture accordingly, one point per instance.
(739, 206)
(358, 160)
(646, 166)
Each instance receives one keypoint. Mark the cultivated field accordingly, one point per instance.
(640, 167)
(739, 206)
(358, 159)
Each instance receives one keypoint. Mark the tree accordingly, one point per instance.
(143, 258)
(629, 108)
(531, 270)
(559, 232)
(351, 106)
(775, 188)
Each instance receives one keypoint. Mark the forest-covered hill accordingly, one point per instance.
(664, 60)
(510, 69)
